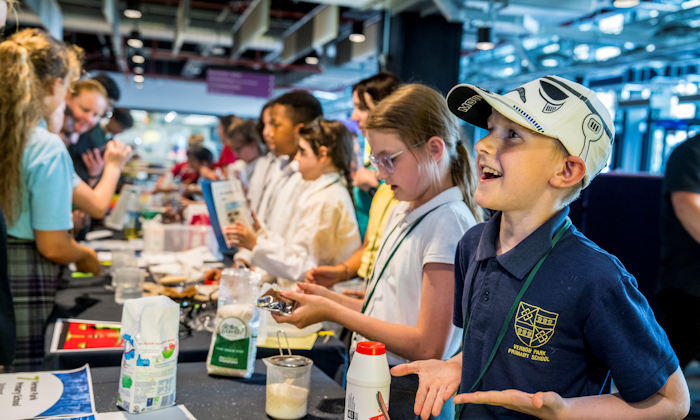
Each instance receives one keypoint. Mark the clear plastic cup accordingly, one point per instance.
(287, 391)
(122, 258)
(128, 283)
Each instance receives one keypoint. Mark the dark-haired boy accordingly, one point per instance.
(549, 317)
(281, 123)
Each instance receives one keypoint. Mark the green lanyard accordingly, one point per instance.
(557, 236)
(386, 264)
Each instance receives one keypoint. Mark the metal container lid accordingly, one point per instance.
(289, 361)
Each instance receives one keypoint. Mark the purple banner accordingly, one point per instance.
(239, 83)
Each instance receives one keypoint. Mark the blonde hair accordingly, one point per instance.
(88, 85)
(31, 61)
(195, 140)
(416, 113)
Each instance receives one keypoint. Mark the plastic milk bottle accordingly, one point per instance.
(367, 375)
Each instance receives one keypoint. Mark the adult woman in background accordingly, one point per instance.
(366, 94)
(37, 179)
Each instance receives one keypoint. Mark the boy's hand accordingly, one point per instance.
(438, 381)
(310, 309)
(545, 405)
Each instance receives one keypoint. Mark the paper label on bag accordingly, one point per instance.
(232, 345)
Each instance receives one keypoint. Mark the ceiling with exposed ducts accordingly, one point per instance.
(305, 43)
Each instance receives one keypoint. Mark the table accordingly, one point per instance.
(87, 298)
(210, 397)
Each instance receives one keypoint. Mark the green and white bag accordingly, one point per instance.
(233, 342)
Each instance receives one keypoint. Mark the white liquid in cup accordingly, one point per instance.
(285, 401)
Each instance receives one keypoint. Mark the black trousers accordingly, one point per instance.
(681, 319)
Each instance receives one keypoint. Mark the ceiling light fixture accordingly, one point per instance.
(357, 34)
(311, 60)
(133, 9)
(138, 59)
(483, 38)
(138, 78)
(625, 4)
(137, 70)
(134, 40)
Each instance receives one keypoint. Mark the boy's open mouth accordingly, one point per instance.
(489, 173)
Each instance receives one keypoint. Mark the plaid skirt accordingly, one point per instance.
(33, 282)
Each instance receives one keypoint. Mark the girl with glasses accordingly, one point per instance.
(417, 148)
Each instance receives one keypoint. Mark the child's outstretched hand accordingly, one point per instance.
(325, 275)
(545, 405)
(239, 235)
(438, 382)
(310, 309)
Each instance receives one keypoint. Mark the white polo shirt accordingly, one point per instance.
(397, 296)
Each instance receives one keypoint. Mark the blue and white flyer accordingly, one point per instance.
(47, 394)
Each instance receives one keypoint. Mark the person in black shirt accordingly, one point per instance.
(94, 140)
(679, 297)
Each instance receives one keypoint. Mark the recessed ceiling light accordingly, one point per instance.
(623, 4)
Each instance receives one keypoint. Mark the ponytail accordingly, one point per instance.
(31, 61)
(18, 114)
(334, 136)
(415, 113)
(463, 176)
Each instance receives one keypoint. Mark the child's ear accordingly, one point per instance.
(571, 172)
(322, 152)
(436, 147)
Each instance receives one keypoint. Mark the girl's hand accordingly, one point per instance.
(89, 263)
(256, 223)
(545, 405)
(325, 275)
(116, 153)
(239, 235)
(438, 381)
(310, 309)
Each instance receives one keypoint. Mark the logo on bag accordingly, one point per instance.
(232, 329)
(533, 325)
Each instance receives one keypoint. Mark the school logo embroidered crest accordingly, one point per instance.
(533, 325)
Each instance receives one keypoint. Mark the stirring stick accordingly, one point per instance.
(382, 405)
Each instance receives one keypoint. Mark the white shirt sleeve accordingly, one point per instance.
(317, 232)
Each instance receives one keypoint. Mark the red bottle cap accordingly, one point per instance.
(371, 348)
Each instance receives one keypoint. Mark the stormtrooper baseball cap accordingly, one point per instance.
(552, 106)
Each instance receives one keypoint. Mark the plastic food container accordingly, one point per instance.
(287, 390)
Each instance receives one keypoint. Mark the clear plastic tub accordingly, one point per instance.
(158, 237)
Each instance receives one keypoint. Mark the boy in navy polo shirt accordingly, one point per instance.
(549, 318)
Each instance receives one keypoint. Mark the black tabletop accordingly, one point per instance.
(88, 298)
(214, 397)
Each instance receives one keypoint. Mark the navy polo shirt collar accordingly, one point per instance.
(519, 260)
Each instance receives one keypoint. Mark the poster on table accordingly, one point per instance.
(47, 394)
(75, 335)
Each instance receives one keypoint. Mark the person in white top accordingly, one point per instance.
(287, 114)
(252, 163)
(322, 228)
(417, 149)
